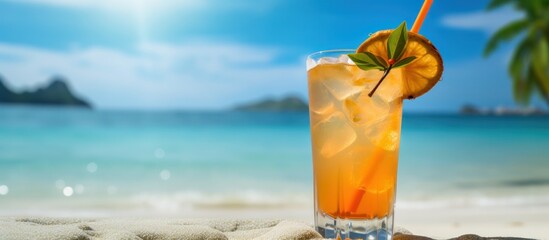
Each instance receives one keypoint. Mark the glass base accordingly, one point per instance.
(367, 229)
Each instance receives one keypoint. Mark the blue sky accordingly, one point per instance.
(212, 54)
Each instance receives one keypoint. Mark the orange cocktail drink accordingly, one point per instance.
(355, 139)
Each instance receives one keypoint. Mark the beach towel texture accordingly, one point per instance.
(168, 229)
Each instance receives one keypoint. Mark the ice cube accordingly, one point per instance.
(319, 114)
(332, 135)
(337, 78)
(386, 133)
(391, 87)
(367, 78)
(362, 109)
(344, 59)
(320, 99)
(342, 86)
(311, 63)
(387, 140)
(328, 60)
(325, 108)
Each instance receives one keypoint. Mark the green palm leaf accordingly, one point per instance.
(529, 64)
(498, 3)
(523, 88)
(540, 64)
(520, 59)
(506, 33)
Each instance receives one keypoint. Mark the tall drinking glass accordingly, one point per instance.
(355, 142)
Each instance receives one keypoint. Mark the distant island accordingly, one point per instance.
(56, 93)
(470, 109)
(286, 104)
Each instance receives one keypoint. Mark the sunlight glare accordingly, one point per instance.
(144, 12)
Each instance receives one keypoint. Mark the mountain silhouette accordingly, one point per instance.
(287, 104)
(57, 92)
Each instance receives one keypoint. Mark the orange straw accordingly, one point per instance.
(421, 16)
(377, 155)
(376, 159)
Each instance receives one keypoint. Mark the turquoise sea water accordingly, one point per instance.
(80, 160)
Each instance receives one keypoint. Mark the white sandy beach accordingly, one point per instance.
(438, 223)
(152, 229)
(525, 222)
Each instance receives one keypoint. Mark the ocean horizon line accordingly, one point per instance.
(209, 110)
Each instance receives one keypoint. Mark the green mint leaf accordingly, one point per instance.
(369, 67)
(364, 57)
(405, 61)
(366, 61)
(397, 42)
(376, 59)
(382, 61)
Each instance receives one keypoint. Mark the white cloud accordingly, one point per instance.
(190, 75)
(485, 21)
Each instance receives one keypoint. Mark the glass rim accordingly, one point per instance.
(342, 50)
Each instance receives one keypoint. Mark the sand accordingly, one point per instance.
(42, 228)
(519, 222)
(152, 229)
(443, 223)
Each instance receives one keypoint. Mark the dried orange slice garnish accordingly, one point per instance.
(419, 76)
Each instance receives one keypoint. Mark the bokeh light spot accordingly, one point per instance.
(4, 189)
(67, 191)
(91, 167)
(165, 175)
